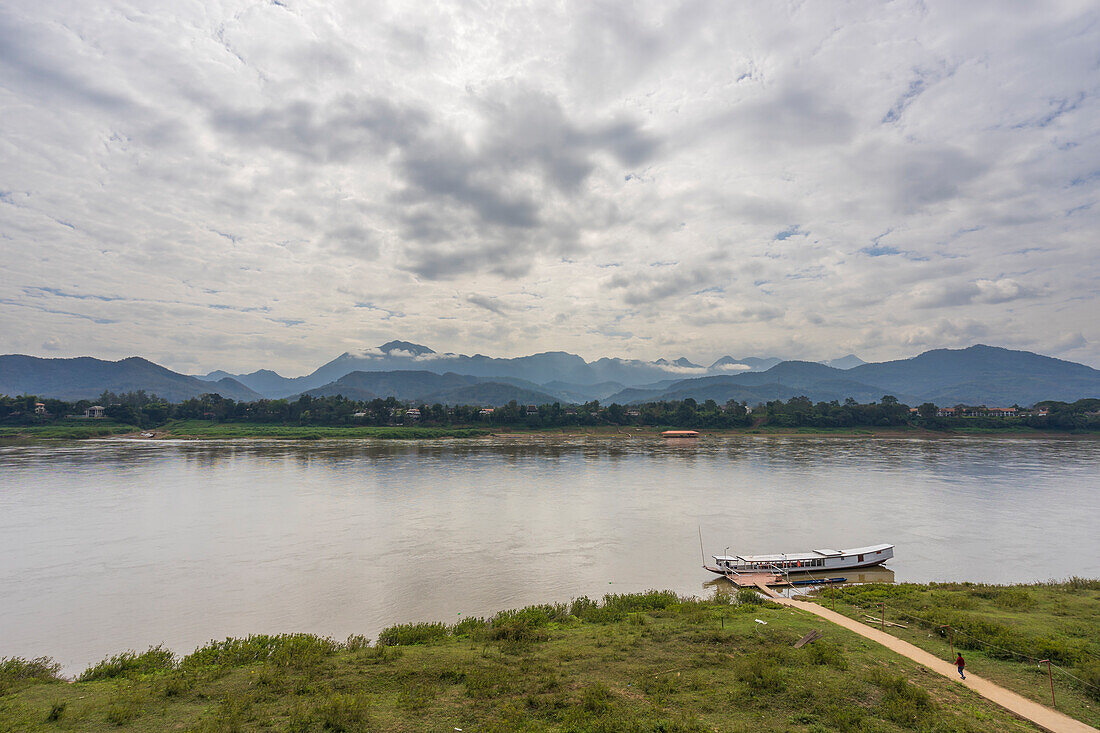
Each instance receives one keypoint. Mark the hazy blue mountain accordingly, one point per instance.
(263, 381)
(428, 387)
(983, 375)
(489, 394)
(535, 369)
(86, 378)
(844, 362)
(976, 375)
(578, 393)
(402, 385)
(729, 365)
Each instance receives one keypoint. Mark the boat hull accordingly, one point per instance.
(818, 562)
(799, 571)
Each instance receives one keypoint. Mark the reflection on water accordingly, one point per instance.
(114, 544)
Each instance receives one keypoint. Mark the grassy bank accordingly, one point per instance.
(648, 662)
(67, 430)
(1002, 631)
(209, 429)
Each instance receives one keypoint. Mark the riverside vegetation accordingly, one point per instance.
(642, 662)
(1004, 631)
(307, 417)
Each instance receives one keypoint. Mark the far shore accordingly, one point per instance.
(211, 430)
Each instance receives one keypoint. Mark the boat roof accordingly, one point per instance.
(806, 555)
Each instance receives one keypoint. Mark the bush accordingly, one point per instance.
(293, 650)
(408, 634)
(748, 597)
(902, 702)
(1090, 673)
(16, 670)
(131, 664)
(760, 673)
(342, 714)
(124, 705)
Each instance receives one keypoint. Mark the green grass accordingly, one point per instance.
(68, 429)
(1001, 630)
(644, 662)
(209, 429)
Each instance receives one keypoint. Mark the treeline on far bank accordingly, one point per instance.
(149, 411)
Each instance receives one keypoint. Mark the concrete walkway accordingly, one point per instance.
(1041, 715)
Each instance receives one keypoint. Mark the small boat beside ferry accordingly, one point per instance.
(817, 561)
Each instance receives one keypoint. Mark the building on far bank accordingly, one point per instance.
(94, 411)
(39, 408)
(412, 414)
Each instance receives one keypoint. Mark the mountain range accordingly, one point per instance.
(410, 372)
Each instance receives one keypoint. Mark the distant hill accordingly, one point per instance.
(844, 362)
(87, 378)
(976, 375)
(262, 381)
(550, 367)
(984, 374)
(428, 387)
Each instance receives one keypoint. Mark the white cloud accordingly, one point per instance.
(250, 185)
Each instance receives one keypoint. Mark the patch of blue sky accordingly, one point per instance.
(388, 314)
(1060, 107)
(880, 250)
(894, 113)
(1087, 178)
(64, 294)
(791, 231)
(231, 237)
(55, 311)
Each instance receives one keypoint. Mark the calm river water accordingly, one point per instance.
(114, 545)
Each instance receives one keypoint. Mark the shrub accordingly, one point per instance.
(291, 650)
(356, 642)
(596, 699)
(827, 653)
(748, 596)
(1014, 598)
(123, 706)
(415, 697)
(342, 714)
(760, 673)
(56, 711)
(902, 702)
(1090, 673)
(131, 664)
(16, 670)
(468, 626)
(408, 634)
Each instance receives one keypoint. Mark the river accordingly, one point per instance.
(112, 545)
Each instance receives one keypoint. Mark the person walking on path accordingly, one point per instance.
(960, 663)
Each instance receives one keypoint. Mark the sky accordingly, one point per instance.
(236, 185)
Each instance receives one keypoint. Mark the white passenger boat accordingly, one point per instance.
(803, 562)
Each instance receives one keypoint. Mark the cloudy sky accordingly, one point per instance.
(268, 184)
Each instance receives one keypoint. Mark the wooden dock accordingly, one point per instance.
(755, 580)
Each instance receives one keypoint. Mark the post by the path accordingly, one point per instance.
(1050, 674)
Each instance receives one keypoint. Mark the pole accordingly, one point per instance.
(702, 555)
(1050, 675)
(884, 615)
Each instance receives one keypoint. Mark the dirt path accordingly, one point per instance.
(1041, 715)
